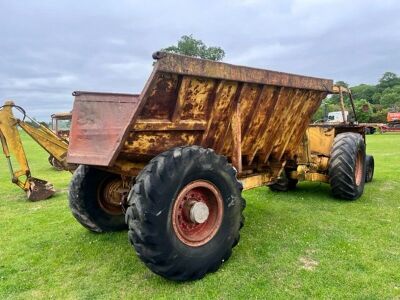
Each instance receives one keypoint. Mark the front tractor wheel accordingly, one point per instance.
(185, 213)
(95, 198)
(347, 166)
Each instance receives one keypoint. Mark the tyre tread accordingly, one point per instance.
(342, 165)
(138, 217)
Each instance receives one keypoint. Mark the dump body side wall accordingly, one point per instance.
(195, 110)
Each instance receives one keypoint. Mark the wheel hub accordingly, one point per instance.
(197, 213)
(110, 196)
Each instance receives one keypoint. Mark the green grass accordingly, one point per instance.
(299, 244)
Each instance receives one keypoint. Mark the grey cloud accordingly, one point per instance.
(50, 48)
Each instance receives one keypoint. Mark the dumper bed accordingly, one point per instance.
(254, 117)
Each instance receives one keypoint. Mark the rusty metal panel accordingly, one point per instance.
(320, 140)
(189, 101)
(282, 118)
(265, 114)
(150, 142)
(304, 118)
(220, 114)
(98, 124)
(161, 101)
(185, 65)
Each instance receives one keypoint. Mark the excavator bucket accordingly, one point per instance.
(39, 189)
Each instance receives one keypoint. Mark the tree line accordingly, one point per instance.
(372, 102)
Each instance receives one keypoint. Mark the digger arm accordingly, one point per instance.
(50, 142)
(12, 146)
(36, 189)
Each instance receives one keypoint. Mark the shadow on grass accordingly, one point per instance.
(311, 191)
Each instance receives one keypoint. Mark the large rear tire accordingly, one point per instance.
(347, 166)
(91, 202)
(185, 213)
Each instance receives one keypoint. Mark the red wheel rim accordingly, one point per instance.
(192, 225)
(358, 168)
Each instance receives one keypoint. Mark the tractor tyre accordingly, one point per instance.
(370, 166)
(283, 184)
(347, 166)
(185, 212)
(94, 199)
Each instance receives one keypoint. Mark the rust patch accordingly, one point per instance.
(154, 142)
(162, 97)
(192, 98)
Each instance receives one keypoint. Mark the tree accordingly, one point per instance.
(363, 110)
(378, 116)
(364, 91)
(187, 45)
(372, 102)
(334, 98)
(391, 97)
(388, 80)
(376, 98)
(342, 83)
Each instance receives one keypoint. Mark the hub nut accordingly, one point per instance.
(199, 212)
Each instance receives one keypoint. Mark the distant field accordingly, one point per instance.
(298, 244)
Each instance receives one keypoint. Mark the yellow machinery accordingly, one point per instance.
(13, 149)
(171, 163)
(60, 125)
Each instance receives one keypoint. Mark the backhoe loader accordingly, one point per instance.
(36, 189)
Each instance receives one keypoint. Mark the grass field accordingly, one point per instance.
(298, 244)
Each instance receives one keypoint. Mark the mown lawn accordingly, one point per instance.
(299, 244)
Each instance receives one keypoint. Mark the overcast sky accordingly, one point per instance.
(48, 49)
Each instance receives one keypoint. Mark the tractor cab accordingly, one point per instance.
(61, 123)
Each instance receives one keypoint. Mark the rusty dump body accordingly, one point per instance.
(257, 118)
